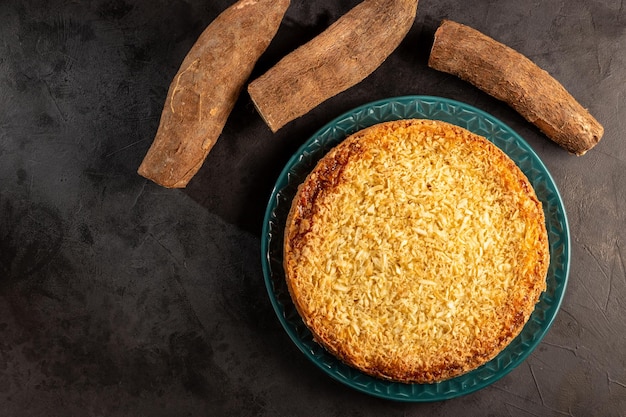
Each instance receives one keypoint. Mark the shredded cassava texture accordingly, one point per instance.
(416, 251)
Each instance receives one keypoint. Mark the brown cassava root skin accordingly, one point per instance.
(340, 57)
(513, 78)
(206, 87)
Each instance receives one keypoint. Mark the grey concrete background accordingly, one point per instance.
(121, 298)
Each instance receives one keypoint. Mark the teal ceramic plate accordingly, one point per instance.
(476, 121)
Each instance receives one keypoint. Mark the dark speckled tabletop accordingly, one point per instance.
(122, 298)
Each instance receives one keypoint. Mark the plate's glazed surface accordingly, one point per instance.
(420, 107)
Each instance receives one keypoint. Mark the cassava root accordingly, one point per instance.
(206, 87)
(511, 77)
(340, 57)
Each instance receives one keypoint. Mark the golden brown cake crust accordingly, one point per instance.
(415, 251)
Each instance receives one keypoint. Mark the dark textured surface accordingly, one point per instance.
(119, 298)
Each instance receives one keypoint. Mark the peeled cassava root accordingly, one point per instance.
(340, 57)
(511, 77)
(206, 87)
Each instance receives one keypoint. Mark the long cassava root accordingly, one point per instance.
(206, 87)
(513, 78)
(340, 57)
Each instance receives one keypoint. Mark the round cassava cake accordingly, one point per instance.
(415, 251)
